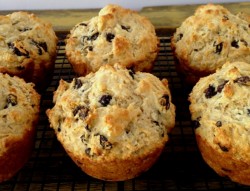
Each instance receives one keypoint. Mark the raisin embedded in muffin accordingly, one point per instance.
(115, 35)
(220, 109)
(208, 39)
(27, 48)
(114, 123)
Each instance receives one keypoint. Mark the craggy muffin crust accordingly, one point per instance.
(220, 107)
(19, 113)
(27, 48)
(208, 39)
(115, 35)
(113, 123)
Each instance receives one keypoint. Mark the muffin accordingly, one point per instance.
(208, 39)
(19, 113)
(220, 109)
(115, 35)
(113, 123)
(27, 48)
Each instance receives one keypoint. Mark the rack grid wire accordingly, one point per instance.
(180, 167)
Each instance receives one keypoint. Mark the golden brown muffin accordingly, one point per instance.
(114, 123)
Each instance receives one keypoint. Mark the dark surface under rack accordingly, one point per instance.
(180, 166)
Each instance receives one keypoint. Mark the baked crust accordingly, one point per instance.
(220, 109)
(208, 39)
(28, 48)
(115, 35)
(19, 114)
(113, 123)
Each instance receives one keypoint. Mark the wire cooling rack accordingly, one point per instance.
(180, 166)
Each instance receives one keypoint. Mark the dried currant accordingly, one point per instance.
(88, 151)
(105, 100)
(94, 36)
(218, 123)
(196, 123)
(132, 72)
(221, 86)
(179, 37)
(235, 44)
(218, 47)
(164, 101)
(243, 80)
(25, 29)
(77, 83)
(210, 91)
(248, 112)
(105, 143)
(223, 148)
(18, 52)
(126, 28)
(11, 100)
(83, 24)
(82, 111)
(110, 37)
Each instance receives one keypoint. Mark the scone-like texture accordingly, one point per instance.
(115, 35)
(19, 113)
(208, 39)
(220, 107)
(113, 123)
(27, 48)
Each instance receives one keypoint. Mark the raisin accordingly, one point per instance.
(110, 37)
(82, 111)
(94, 36)
(78, 83)
(25, 29)
(235, 44)
(105, 143)
(18, 52)
(248, 112)
(164, 101)
(179, 37)
(218, 124)
(126, 28)
(105, 100)
(223, 148)
(132, 72)
(196, 123)
(221, 86)
(210, 92)
(11, 100)
(244, 42)
(87, 128)
(90, 48)
(225, 17)
(83, 24)
(243, 80)
(40, 46)
(218, 47)
(87, 151)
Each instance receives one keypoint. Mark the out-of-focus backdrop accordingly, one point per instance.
(87, 4)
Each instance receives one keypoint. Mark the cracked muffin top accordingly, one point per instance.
(210, 38)
(27, 47)
(115, 35)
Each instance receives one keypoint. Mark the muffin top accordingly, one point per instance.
(113, 113)
(211, 37)
(19, 108)
(24, 40)
(220, 107)
(115, 35)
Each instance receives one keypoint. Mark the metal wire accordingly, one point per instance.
(180, 167)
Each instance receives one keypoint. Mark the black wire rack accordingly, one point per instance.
(180, 166)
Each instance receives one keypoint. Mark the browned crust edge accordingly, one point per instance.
(224, 163)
